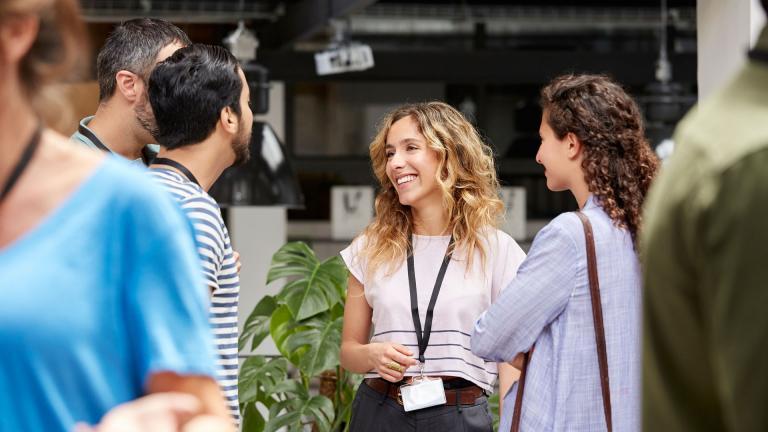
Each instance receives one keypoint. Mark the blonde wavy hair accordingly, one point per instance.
(466, 175)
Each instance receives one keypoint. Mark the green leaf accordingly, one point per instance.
(256, 326)
(291, 413)
(323, 339)
(293, 259)
(337, 270)
(291, 387)
(259, 375)
(316, 287)
(253, 421)
(283, 414)
(306, 299)
(281, 326)
(493, 405)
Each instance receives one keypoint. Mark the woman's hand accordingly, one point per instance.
(390, 360)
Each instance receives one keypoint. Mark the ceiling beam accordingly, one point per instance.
(487, 67)
(304, 18)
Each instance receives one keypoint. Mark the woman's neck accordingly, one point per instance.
(17, 124)
(430, 220)
(580, 191)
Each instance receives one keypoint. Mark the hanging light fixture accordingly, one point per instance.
(665, 102)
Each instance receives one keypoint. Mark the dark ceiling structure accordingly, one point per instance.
(283, 24)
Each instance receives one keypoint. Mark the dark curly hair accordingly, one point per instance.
(619, 164)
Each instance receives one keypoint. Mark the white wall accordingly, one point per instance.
(256, 233)
(725, 31)
(757, 21)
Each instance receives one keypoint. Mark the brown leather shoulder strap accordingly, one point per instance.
(597, 315)
(520, 389)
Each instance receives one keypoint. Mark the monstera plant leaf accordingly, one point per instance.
(314, 285)
(294, 412)
(253, 421)
(319, 343)
(258, 376)
(256, 326)
(281, 326)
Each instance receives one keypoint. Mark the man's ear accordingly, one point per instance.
(229, 120)
(574, 145)
(129, 85)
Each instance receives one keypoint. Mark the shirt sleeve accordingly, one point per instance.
(534, 298)
(353, 260)
(208, 226)
(507, 261)
(165, 298)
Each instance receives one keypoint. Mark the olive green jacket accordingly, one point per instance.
(705, 258)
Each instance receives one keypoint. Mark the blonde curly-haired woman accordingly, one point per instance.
(422, 272)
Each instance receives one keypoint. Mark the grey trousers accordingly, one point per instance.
(375, 412)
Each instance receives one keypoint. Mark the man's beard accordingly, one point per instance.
(146, 118)
(241, 146)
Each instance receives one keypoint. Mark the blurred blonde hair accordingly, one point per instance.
(57, 51)
(466, 175)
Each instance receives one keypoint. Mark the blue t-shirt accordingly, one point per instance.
(105, 291)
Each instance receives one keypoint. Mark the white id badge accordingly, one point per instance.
(422, 393)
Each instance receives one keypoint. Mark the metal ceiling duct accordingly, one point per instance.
(181, 11)
(436, 19)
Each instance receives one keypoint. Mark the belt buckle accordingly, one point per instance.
(399, 397)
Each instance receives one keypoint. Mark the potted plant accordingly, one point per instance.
(305, 321)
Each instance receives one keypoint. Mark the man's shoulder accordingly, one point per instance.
(717, 135)
(729, 125)
(181, 188)
(79, 137)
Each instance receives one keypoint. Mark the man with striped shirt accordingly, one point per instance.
(200, 99)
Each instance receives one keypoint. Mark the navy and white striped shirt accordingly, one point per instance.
(219, 270)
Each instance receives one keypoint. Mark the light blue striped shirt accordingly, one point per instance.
(548, 303)
(219, 271)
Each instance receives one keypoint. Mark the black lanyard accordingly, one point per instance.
(423, 340)
(147, 155)
(759, 55)
(178, 166)
(21, 165)
(93, 138)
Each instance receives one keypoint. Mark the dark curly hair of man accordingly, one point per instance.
(619, 164)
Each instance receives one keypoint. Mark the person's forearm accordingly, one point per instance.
(507, 376)
(203, 387)
(355, 358)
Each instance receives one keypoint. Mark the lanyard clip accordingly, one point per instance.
(421, 370)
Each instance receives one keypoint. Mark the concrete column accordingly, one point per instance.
(256, 233)
(726, 29)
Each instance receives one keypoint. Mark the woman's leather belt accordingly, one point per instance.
(465, 396)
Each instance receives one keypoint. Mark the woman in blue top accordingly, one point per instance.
(592, 144)
(102, 297)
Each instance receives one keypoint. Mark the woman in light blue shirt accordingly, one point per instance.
(102, 296)
(592, 144)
